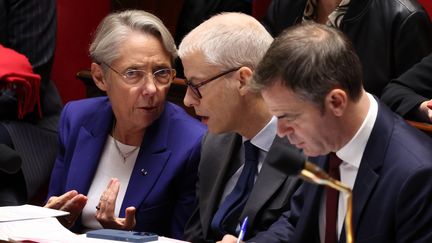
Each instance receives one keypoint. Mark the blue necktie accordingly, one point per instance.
(227, 216)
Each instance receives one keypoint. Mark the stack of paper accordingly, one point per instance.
(13, 213)
(38, 224)
(28, 222)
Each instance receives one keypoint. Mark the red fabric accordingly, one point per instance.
(16, 74)
(76, 21)
(259, 8)
(332, 201)
(427, 4)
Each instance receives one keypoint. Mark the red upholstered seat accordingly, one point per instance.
(76, 21)
(427, 4)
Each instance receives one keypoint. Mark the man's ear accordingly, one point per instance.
(336, 102)
(98, 76)
(244, 76)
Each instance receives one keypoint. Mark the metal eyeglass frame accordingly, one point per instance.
(194, 87)
(173, 73)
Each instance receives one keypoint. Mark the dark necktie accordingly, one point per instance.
(227, 216)
(332, 201)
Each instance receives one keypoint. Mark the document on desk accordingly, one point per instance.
(12, 213)
(38, 224)
(49, 230)
(45, 230)
(38, 230)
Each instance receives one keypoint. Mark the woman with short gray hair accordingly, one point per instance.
(128, 161)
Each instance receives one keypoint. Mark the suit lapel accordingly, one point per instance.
(150, 163)
(90, 142)
(217, 157)
(268, 182)
(372, 160)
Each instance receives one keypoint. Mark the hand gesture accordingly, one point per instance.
(106, 207)
(71, 202)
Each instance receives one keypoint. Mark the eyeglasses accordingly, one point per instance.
(134, 76)
(194, 87)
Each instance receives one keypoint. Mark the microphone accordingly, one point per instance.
(296, 164)
(10, 161)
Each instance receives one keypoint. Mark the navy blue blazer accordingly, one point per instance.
(169, 152)
(392, 193)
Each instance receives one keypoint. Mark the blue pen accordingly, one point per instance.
(242, 230)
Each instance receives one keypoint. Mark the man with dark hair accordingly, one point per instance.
(311, 80)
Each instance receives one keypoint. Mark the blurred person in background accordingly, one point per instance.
(28, 27)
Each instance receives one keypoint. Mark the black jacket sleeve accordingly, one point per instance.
(407, 92)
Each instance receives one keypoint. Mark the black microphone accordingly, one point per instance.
(10, 161)
(296, 164)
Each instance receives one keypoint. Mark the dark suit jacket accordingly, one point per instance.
(407, 92)
(169, 152)
(269, 198)
(392, 191)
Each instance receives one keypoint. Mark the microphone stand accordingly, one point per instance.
(314, 174)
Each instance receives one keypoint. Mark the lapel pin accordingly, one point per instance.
(143, 172)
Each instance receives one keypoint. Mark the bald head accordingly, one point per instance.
(228, 40)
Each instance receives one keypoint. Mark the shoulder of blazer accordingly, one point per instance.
(94, 114)
(85, 108)
(213, 144)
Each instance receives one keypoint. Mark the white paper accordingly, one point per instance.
(169, 240)
(45, 230)
(39, 230)
(27, 222)
(12, 213)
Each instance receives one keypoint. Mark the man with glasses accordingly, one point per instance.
(238, 174)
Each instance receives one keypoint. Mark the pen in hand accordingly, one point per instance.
(242, 230)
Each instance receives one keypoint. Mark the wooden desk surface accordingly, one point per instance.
(424, 127)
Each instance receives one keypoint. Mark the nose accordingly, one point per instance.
(149, 87)
(284, 129)
(190, 99)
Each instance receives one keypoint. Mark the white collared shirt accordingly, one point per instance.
(263, 140)
(351, 154)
